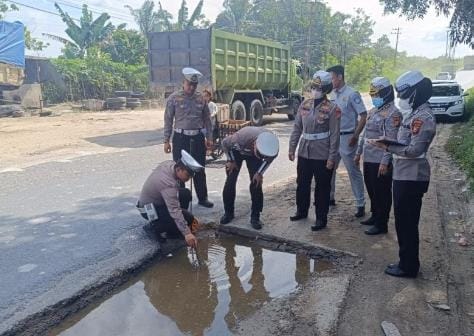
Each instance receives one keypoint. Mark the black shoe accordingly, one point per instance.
(370, 221)
(394, 265)
(375, 230)
(206, 203)
(227, 218)
(398, 272)
(319, 225)
(332, 202)
(298, 216)
(256, 223)
(360, 212)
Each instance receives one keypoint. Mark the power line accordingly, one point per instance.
(39, 9)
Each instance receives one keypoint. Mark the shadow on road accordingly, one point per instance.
(136, 139)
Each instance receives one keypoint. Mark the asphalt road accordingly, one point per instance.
(65, 224)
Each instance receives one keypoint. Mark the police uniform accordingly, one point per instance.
(188, 119)
(411, 171)
(240, 147)
(316, 129)
(351, 105)
(383, 121)
(163, 201)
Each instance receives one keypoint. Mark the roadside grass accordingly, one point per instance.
(461, 142)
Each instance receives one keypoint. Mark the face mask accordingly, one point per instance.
(377, 101)
(316, 94)
(404, 104)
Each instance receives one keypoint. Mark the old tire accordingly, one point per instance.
(256, 112)
(238, 110)
(296, 105)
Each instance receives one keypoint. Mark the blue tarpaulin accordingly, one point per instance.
(12, 43)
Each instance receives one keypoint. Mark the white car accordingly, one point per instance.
(443, 76)
(447, 99)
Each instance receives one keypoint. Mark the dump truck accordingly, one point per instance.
(12, 55)
(255, 77)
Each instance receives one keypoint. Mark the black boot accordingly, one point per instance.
(255, 222)
(299, 215)
(398, 272)
(319, 225)
(227, 218)
(206, 203)
(332, 202)
(370, 221)
(360, 212)
(375, 230)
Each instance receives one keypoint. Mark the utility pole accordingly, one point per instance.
(396, 31)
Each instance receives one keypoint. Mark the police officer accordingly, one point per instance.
(411, 169)
(163, 202)
(258, 147)
(188, 110)
(382, 121)
(316, 128)
(353, 118)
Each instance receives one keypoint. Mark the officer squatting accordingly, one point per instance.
(393, 145)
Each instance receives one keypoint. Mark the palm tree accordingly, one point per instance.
(235, 15)
(183, 22)
(87, 34)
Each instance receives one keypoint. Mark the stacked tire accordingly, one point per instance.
(118, 103)
(133, 103)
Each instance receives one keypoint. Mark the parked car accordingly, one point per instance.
(448, 99)
(443, 76)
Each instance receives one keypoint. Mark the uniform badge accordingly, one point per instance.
(416, 126)
(396, 121)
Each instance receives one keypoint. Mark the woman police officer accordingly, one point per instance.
(382, 121)
(316, 129)
(411, 169)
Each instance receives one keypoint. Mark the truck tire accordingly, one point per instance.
(256, 112)
(238, 110)
(296, 105)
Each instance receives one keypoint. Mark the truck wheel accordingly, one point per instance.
(238, 110)
(296, 105)
(256, 112)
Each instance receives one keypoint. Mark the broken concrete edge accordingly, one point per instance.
(317, 250)
(389, 329)
(41, 321)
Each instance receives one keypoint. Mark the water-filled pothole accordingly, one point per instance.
(235, 279)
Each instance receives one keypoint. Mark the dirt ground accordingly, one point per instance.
(64, 135)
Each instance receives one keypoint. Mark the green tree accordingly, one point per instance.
(34, 44)
(461, 12)
(145, 17)
(126, 46)
(235, 15)
(196, 20)
(87, 34)
(4, 8)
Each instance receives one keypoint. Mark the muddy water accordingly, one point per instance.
(175, 297)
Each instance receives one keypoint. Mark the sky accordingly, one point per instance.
(421, 37)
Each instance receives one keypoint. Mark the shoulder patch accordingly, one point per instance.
(416, 126)
(357, 98)
(307, 104)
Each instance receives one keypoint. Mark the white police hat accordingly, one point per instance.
(191, 164)
(322, 78)
(408, 80)
(267, 144)
(377, 84)
(192, 75)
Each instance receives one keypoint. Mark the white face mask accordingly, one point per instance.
(405, 107)
(316, 94)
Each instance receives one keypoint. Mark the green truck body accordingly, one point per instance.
(254, 76)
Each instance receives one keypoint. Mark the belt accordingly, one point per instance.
(315, 136)
(346, 132)
(399, 157)
(189, 132)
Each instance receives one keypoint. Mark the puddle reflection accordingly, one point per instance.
(173, 298)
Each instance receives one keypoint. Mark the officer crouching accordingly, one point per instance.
(316, 129)
(163, 202)
(258, 147)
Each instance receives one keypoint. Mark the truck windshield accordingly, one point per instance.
(445, 91)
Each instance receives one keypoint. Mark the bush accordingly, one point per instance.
(461, 143)
(97, 76)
